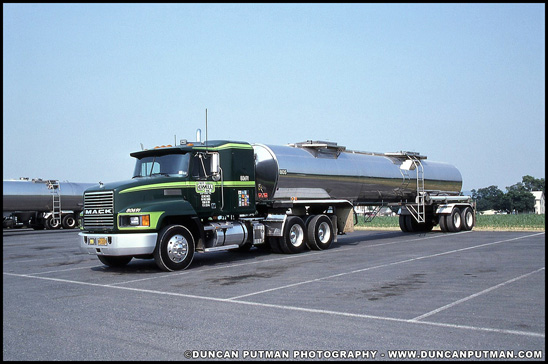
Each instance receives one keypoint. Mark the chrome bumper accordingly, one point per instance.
(118, 244)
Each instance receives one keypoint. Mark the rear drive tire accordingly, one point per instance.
(294, 238)
(274, 243)
(174, 249)
(320, 232)
(113, 261)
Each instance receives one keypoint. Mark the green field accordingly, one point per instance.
(483, 222)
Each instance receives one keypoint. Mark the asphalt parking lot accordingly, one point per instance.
(374, 295)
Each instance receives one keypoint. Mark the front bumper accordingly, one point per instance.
(118, 244)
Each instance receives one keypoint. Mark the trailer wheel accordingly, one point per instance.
(112, 261)
(454, 221)
(174, 249)
(443, 223)
(69, 221)
(403, 225)
(294, 238)
(411, 223)
(51, 224)
(468, 218)
(320, 232)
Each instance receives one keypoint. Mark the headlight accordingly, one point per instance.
(135, 220)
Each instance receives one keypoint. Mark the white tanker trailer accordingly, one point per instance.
(218, 195)
(40, 204)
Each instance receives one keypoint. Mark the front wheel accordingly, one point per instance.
(174, 249)
(113, 261)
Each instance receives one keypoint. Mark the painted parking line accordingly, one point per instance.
(286, 307)
(380, 266)
(443, 308)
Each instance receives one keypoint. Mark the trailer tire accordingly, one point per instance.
(51, 224)
(113, 261)
(294, 238)
(69, 221)
(468, 218)
(320, 232)
(443, 225)
(403, 225)
(453, 221)
(412, 224)
(174, 249)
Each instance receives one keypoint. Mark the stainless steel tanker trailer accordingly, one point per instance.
(40, 204)
(218, 195)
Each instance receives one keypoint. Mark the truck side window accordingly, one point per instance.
(201, 166)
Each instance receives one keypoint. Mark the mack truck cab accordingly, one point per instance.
(180, 200)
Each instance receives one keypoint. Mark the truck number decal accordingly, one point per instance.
(206, 200)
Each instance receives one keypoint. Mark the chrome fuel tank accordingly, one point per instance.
(35, 195)
(323, 170)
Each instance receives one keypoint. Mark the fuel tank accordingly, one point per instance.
(324, 170)
(37, 195)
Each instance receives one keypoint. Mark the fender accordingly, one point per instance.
(158, 211)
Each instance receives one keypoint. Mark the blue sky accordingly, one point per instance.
(85, 84)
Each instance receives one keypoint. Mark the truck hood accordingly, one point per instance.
(131, 183)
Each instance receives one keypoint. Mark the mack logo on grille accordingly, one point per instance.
(98, 211)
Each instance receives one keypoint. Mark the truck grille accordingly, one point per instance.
(99, 210)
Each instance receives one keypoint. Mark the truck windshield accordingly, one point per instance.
(165, 165)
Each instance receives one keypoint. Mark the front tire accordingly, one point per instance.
(174, 249)
(113, 261)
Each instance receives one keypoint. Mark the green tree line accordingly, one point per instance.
(518, 198)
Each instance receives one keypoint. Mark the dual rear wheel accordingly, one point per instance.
(316, 233)
(460, 219)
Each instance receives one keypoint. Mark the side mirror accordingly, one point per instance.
(215, 166)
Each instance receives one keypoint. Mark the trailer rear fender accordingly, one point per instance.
(446, 209)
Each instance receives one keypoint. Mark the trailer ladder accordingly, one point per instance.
(370, 215)
(418, 212)
(54, 186)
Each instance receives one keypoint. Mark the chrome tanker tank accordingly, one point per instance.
(324, 170)
(37, 195)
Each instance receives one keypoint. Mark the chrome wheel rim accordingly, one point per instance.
(296, 235)
(324, 233)
(177, 248)
(456, 220)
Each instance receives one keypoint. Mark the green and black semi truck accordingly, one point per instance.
(220, 195)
